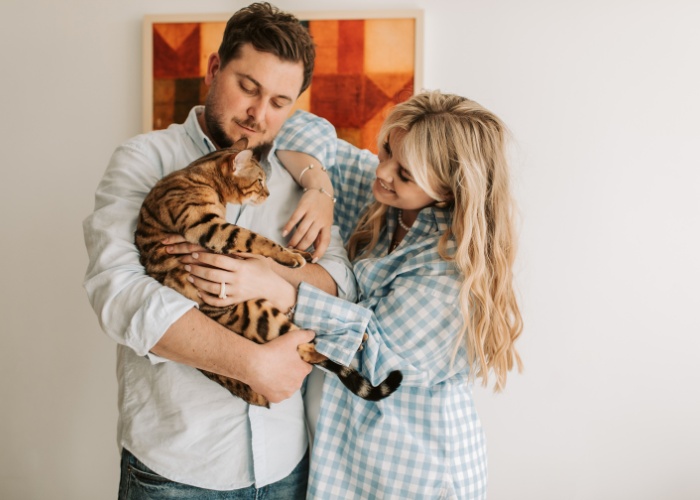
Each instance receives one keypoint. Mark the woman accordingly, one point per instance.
(433, 257)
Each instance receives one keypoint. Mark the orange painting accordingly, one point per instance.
(363, 67)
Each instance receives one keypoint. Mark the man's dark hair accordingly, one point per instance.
(269, 30)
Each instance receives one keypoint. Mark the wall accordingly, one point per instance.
(602, 99)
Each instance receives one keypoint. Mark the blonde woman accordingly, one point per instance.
(433, 255)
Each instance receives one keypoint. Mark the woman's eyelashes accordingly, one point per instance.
(402, 172)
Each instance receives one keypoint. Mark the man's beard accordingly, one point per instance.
(216, 130)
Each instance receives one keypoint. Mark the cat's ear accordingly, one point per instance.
(241, 144)
(241, 160)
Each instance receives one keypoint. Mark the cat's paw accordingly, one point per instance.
(294, 258)
(362, 344)
(305, 255)
(308, 353)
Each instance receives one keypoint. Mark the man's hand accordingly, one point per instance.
(276, 371)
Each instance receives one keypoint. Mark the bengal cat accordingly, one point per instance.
(192, 202)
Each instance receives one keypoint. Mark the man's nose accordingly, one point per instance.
(257, 110)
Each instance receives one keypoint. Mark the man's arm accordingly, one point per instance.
(274, 370)
(154, 320)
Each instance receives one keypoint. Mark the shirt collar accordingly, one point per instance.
(196, 133)
(429, 220)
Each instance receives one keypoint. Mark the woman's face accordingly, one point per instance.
(395, 185)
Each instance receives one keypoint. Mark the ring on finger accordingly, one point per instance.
(222, 291)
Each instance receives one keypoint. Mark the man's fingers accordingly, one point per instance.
(182, 248)
(301, 336)
(173, 239)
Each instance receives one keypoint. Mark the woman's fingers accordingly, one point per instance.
(293, 220)
(323, 240)
(204, 274)
(225, 262)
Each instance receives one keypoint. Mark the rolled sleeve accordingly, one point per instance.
(339, 324)
(307, 133)
(132, 308)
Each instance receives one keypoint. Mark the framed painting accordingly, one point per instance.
(366, 62)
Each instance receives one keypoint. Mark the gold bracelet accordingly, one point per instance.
(310, 167)
(323, 191)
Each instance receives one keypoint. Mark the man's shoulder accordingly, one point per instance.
(173, 148)
(173, 137)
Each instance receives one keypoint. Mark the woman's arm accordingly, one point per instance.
(412, 322)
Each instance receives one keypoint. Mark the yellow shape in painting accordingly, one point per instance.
(389, 45)
(175, 33)
(210, 35)
(392, 83)
(325, 35)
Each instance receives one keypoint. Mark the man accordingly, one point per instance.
(178, 431)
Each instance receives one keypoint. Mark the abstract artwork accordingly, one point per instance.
(365, 63)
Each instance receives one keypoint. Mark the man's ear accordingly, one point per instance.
(213, 67)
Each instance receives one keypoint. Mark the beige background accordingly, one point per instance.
(603, 99)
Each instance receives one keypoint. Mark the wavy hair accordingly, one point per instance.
(270, 30)
(456, 152)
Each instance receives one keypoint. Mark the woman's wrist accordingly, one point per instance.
(315, 177)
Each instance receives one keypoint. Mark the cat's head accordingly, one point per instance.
(244, 176)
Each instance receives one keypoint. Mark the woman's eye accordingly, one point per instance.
(403, 175)
(387, 148)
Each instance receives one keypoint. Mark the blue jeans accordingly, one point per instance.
(138, 482)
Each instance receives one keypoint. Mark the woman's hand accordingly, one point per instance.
(313, 219)
(224, 280)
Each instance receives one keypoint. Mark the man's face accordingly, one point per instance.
(249, 97)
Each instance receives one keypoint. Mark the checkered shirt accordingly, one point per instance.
(425, 441)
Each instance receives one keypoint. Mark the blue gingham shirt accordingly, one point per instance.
(425, 441)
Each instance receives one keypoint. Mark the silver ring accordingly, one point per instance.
(222, 292)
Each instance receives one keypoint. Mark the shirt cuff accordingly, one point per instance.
(339, 324)
(151, 321)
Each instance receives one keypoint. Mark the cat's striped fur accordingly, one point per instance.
(192, 202)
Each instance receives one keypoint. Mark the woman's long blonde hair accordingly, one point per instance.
(456, 152)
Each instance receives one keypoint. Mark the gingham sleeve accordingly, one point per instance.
(352, 175)
(307, 133)
(411, 324)
(339, 324)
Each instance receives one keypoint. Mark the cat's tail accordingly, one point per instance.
(360, 386)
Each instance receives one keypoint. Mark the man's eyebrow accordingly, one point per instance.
(258, 84)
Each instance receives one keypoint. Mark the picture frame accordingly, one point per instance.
(353, 87)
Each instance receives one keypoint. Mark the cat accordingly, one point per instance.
(192, 202)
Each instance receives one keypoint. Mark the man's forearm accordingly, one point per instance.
(274, 369)
(198, 341)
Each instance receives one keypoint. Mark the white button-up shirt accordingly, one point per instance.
(175, 420)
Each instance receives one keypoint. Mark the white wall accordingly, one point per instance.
(602, 97)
